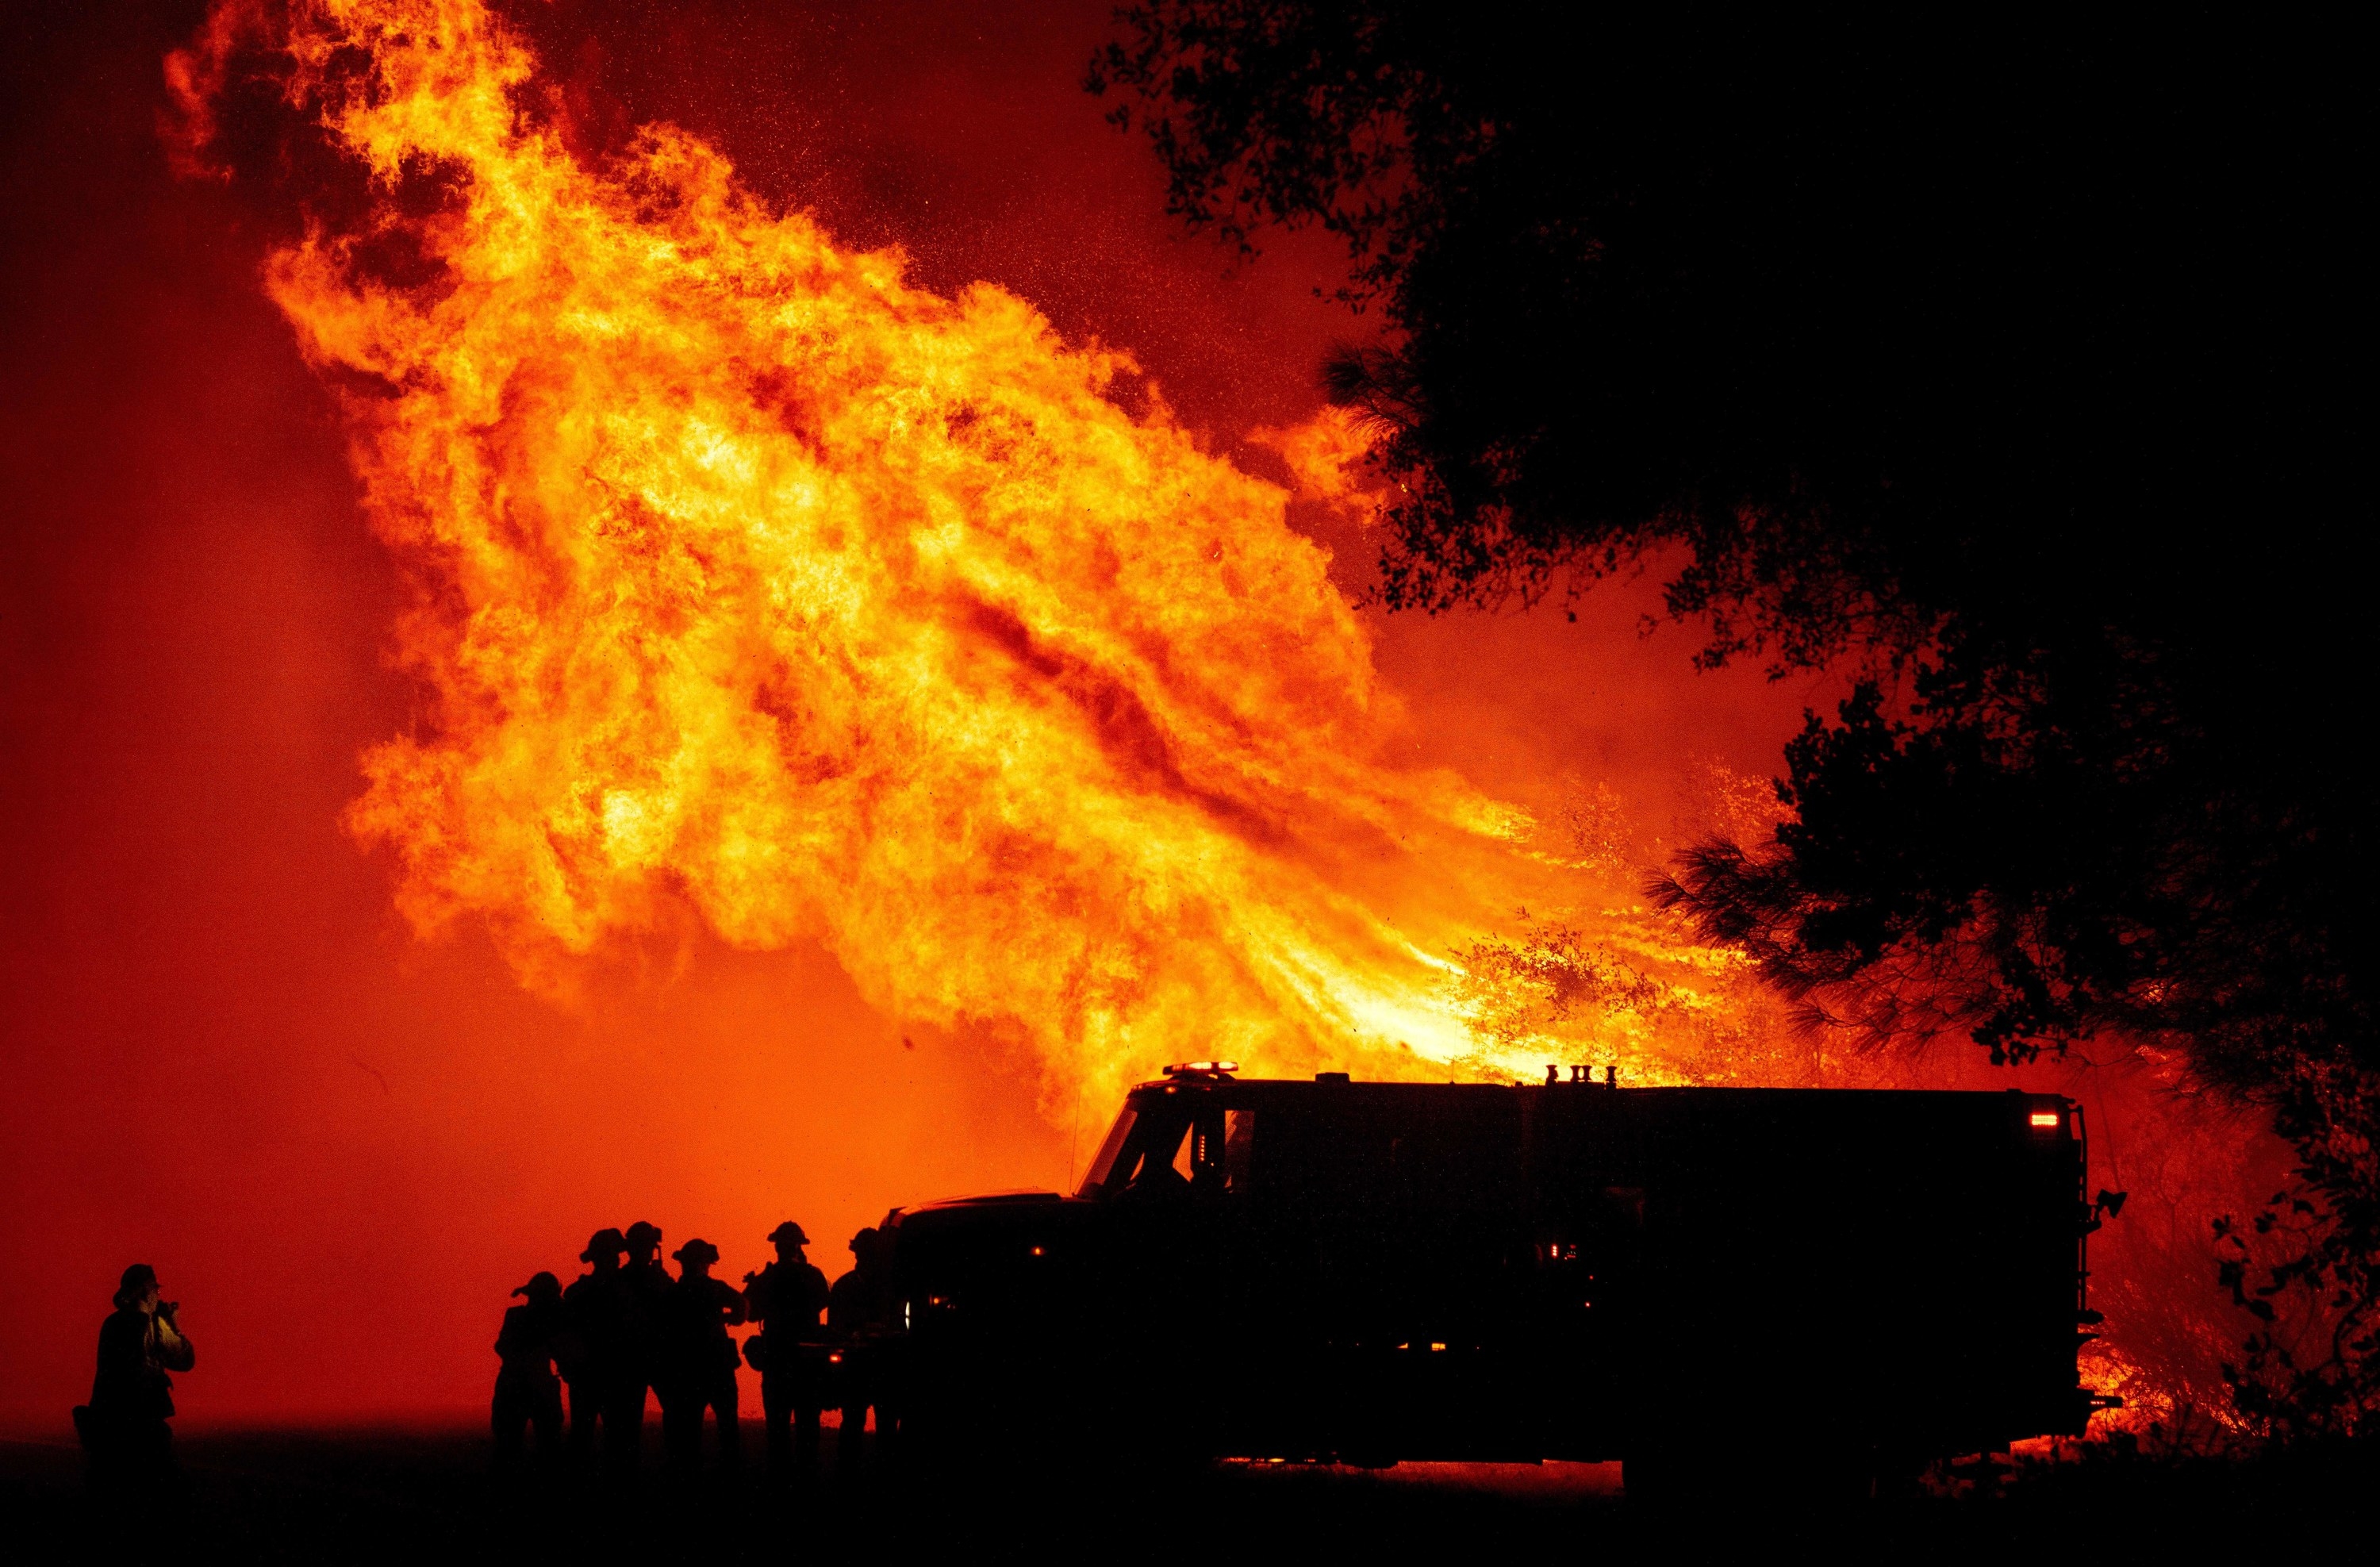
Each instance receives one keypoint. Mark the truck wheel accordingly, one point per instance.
(1669, 1478)
(1815, 1477)
(1697, 1476)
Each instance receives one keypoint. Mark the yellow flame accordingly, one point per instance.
(754, 578)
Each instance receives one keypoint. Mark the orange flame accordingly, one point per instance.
(756, 579)
(1325, 455)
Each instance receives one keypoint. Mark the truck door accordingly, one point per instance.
(1388, 1239)
(1166, 1319)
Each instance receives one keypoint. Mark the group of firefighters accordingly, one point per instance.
(627, 1327)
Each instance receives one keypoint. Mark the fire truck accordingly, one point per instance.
(1691, 1281)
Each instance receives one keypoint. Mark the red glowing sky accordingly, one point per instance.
(224, 1054)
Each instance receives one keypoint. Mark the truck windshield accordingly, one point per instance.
(1103, 1164)
(1173, 1146)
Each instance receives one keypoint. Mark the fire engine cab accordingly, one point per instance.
(1683, 1278)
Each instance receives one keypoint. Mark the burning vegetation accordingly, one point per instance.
(752, 580)
(756, 586)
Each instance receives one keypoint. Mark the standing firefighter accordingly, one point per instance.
(646, 1286)
(527, 1393)
(698, 1360)
(594, 1319)
(859, 1320)
(785, 1298)
(124, 1426)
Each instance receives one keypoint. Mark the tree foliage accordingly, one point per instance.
(2002, 360)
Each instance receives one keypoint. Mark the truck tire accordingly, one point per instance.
(1783, 1477)
(1667, 1478)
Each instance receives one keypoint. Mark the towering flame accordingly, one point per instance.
(753, 579)
(757, 586)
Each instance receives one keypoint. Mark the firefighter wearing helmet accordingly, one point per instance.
(786, 1299)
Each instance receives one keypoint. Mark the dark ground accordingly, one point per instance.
(423, 1493)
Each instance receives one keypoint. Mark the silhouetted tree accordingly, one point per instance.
(2002, 360)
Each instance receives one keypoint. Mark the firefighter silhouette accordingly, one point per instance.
(594, 1314)
(859, 1316)
(123, 1427)
(526, 1391)
(646, 1286)
(696, 1369)
(786, 1298)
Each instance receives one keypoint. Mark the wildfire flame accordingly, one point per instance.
(753, 581)
(754, 578)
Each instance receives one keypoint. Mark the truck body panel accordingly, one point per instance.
(1377, 1272)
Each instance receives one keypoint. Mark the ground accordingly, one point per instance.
(423, 1492)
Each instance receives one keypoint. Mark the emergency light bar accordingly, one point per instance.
(1202, 1069)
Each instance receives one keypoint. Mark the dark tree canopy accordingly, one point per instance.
(2016, 362)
